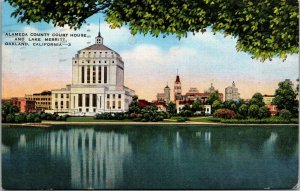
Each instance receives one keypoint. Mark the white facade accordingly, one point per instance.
(232, 93)
(97, 83)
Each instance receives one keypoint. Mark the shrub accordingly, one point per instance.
(185, 113)
(253, 111)
(264, 112)
(30, 117)
(181, 119)
(37, 119)
(285, 114)
(20, 118)
(10, 118)
(225, 113)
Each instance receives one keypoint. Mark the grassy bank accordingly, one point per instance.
(271, 120)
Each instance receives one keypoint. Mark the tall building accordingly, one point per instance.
(97, 83)
(42, 100)
(211, 89)
(232, 93)
(164, 96)
(177, 89)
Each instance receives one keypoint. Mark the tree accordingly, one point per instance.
(8, 108)
(243, 111)
(257, 99)
(134, 105)
(285, 98)
(253, 111)
(285, 114)
(264, 112)
(171, 108)
(196, 106)
(216, 105)
(264, 29)
(213, 97)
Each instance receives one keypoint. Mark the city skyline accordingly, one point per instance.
(201, 59)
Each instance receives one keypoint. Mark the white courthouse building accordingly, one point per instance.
(97, 83)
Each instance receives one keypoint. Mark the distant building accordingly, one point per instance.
(164, 96)
(161, 105)
(181, 103)
(24, 106)
(232, 93)
(177, 89)
(42, 100)
(193, 94)
(211, 89)
(267, 99)
(143, 103)
(273, 109)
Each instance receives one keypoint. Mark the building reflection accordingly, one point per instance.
(96, 158)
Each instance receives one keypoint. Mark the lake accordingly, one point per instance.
(150, 157)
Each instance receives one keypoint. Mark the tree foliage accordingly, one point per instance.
(257, 99)
(285, 97)
(213, 97)
(253, 111)
(262, 28)
(171, 108)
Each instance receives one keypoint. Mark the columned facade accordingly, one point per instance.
(97, 83)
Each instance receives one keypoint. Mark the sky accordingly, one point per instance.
(150, 63)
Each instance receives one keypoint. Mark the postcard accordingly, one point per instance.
(150, 95)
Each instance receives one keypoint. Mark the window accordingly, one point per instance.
(100, 101)
(94, 61)
(67, 104)
(67, 95)
(114, 96)
(99, 74)
(114, 105)
(87, 109)
(107, 96)
(113, 61)
(55, 96)
(80, 110)
(94, 110)
(61, 104)
(56, 105)
(94, 100)
(88, 75)
(87, 100)
(75, 61)
(88, 61)
(94, 74)
(82, 74)
(61, 95)
(99, 61)
(119, 96)
(82, 61)
(105, 61)
(83, 52)
(79, 100)
(105, 74)
(119, 104)
(108, 105)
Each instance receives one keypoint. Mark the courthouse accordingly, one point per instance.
(97, 83)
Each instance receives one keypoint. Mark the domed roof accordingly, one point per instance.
(97, 47)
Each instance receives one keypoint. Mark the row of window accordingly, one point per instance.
(43, 103)
(96, 52)
(62, 96)
(88, 61)
(40, 99)
(88, 73)
(86, 97)
(113, 96)
(62, 105)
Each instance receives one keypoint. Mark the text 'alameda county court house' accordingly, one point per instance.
(97, 83)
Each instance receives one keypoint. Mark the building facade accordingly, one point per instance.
(42, 100)
(97, 83)
(232, 93)
(177, 89)
(164, 96)
(267, 99)
(24, 105)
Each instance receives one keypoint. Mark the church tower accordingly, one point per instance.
(177, 89)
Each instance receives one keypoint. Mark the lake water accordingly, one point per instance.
(149, 157)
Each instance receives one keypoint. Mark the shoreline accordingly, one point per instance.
(48, 124)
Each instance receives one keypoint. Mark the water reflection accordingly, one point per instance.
(151, 157)
(96, 158)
